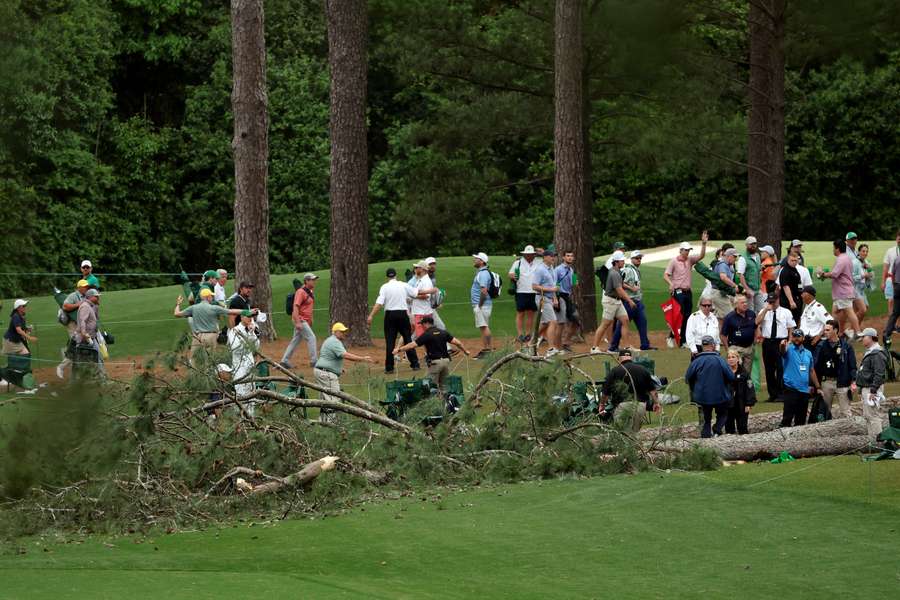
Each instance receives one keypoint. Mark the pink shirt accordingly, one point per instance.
(679, 271)
(303, 306)
(842, 278)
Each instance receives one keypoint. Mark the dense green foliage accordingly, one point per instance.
(115, 129)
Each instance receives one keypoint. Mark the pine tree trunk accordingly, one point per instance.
(251, 153)
(765, 148)
(347, 40)
(585, 292)
(571, 189)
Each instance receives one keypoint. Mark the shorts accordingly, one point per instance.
(562, 311)
(482, 315)
(548, 315)
(722, 303)
(613, 309)
(14, 348)
(843, 303)
(526, 302)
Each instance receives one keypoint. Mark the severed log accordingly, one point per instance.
(304, 476)
(838, 436)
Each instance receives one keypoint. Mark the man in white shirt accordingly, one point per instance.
(522, 274)
(813, 318)
(774, 322)
(393, 297)
(701, 324)
(421, 303)
(219, 289)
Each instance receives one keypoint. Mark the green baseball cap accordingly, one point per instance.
(851, 236)
(618, 245)
(210, 274)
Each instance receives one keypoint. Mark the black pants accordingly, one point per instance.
(397, 321)
(771, 355)
(892, 319)
(795, 406)
(685, 299)
(737, 419)
(708, 428)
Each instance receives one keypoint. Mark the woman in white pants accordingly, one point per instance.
(243, 341)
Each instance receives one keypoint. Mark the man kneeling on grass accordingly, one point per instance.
(630, 391)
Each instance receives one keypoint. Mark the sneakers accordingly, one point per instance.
(286, 365)
(670, 342)
(481, 354)
(649, 348)
(851, 335)
(551, 352)
(60, 371)
(595, 350)
(520, 339)
(567, 348)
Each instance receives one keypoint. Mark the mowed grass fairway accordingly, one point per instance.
(814, 528)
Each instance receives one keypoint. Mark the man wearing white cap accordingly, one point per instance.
(522, 274)
(614, 300)
(87, 272)
(17, 336)
(749, 269)
(421, 303)
(438, 297)
(870, 378)
(482, 304)
(678, 277)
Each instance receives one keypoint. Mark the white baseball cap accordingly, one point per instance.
(18, 303)
(430, 261)
(750, 240)
(87, 263)
(685, 246)
(420, 265)
(618, 255)
(768, 250)
(529, 249)
(796, 243)
(481, 256)
(636, 254)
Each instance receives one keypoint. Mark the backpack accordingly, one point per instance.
(495, 285)
(602, 273)
(289, 300)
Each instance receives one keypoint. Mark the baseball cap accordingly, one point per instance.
(87, 263)
(750, 240)
(339, 327)
(768, 250)
(636, 254)
(204, 293)
(210, 274)
(618, 245)
(685, 246)
(223, 368)
(529, 249)
(309, 276)
(549, 252)
(19, 303)
(481, 256)
(391, 272)
(850, 236)
(707, 340)
(869, 332)
(246, 284)
(731, 252)
(796, 243)
(92, 292)
(430, 261)
(427, 319)
(797, 332)
(82, 283)
(420, 265)
(246, 313)
(618, 255)
(808, 289)
(772, 297)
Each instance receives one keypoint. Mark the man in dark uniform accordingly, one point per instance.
(437, 357)
(630, 391)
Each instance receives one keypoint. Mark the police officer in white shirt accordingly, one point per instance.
(774, 322)
(393, 296)
(701, 324)
(813, 319)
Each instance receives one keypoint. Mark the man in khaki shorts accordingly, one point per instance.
(614, 299)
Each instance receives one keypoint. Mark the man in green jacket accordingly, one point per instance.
(749, 269)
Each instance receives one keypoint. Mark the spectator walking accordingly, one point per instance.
(614, 301)
(240, 301)
(219, 296)
(204, 321)
(87, 273)
(775, 322)
(522, 274)
(87, 328)
(545, 286)
(18, 334)
(243, 341)
(799, 380)
(70, 309)
(420, 304)
(887, 282)
(862, 281)
(870, 378)
(722, 302)
(393, 296)
(438, 297)
(813, 318)
(749, 270)
(709, 378)
(842, 290)
(631, 282)
(767, 276)
(835, 366)
(890, 325)
(482, 303)
(628, 393)
(739, 332)
(701, 324)
(437, 357)
(302, 316)
(743, 394)
(566, 315)
(330, 366)
(678, 277)
(790, 283)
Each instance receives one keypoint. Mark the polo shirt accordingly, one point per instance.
(394, 294)
(613, 281)
(206, 316)
(237, 302)
(632, 276)
(813, 319)
(545, 278)
(784, 321)
(15, 320)
(73, 298)
(679, 271)
(435, 341)
(219, 293)
(331, 355)
(524, 271)
(304, 299)
(842, 278)
(565, 278)
(420, 306)
(789, 278)
(724, 267)
(482, 280)
(797, 362)
(890, 255)
(739, 330)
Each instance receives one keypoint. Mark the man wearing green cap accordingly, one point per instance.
(243, 341)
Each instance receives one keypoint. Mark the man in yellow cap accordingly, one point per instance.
(330, 364)
(205, 321)
(69, 314)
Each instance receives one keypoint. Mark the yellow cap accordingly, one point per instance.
(82, 283)
(339, 327)
(206, 293)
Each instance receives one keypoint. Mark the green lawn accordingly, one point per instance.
(753, 531)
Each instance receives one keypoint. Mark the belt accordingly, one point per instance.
(327, 371)
(430, 359)
(681, 290)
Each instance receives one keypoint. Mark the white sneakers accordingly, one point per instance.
(551, 352)
(595, 350)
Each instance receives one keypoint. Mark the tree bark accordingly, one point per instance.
(765, 147)
(347, 40)
(572, 213)
(586, 290)
(251, 153)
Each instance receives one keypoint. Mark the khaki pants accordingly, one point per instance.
(874, 424)
(206, 341)
(629, 416)
(329, 381)
(829, 389)
(14, 347)
(438, 370)
(746, 355)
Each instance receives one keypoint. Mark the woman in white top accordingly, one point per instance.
(243, 341)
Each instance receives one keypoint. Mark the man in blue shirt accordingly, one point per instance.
(481, 301)
(799, 379)
(566, 317)
(725, 269)
(544, 284)
(709, 378)
(739, 331)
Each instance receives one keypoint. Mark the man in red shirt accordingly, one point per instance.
(302, 315)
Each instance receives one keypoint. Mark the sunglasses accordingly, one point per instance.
(83, 268)
(706, 305)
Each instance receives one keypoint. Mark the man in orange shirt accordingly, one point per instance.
(302, 315)
(767, 269)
